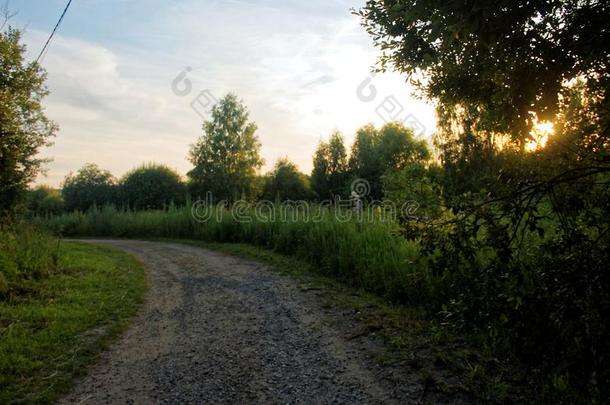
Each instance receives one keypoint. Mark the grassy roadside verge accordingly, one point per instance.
(445, 361)
(48, 335)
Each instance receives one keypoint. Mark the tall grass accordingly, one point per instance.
(368, 254)
(26, 255)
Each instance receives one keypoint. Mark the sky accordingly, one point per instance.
(131, 81)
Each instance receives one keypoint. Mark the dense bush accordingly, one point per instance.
(543, 295)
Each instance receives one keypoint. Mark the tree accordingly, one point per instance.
(90, 186)
(286, 182)
(227, 156)
(495, 71)
(151, 186)
(492, 63)
(399, 148)
(364, 162)
(531, 227)
(330, 168)
(379, 152)
(24, 127)
(44, 200)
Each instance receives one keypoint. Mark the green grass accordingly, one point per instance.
(49, 333)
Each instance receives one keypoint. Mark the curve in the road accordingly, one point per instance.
(219, 329)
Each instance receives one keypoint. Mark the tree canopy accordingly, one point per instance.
(88, 187)
(378, 152)
(286, 182)
(491, 64)
(330, 168)
(24, 127)
(152, 186)
(497, 70)
(227, 156)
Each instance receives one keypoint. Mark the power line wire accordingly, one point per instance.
(46, 45)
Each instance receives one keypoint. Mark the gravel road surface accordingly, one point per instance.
(220, 329)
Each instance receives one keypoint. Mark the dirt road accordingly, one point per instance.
(218, 329)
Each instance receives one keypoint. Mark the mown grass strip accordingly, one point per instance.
(49, 335)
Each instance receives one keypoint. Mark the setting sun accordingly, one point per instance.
(539, 135)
